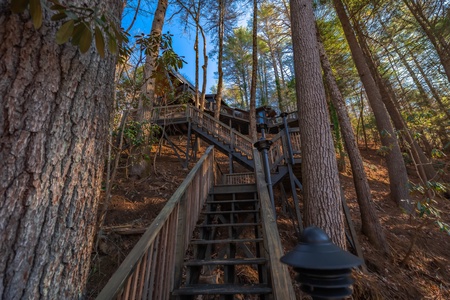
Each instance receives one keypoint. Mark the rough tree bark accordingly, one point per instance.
(54, 116)
(321, 188)
(398, 178)
(371, 225)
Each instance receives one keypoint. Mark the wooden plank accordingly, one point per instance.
(224, 241)
(351, 227)
(222, 212)
(227, 189)
(281, 280)
(229, 225)
(224, 289)
(238, 201)
(227, 261)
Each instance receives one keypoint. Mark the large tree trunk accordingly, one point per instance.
(371, 225)
(398, 178)
(54, 117)
(321, 188)
(253, 133)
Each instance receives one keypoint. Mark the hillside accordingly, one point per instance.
(136, 202)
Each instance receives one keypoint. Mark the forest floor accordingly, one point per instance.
(426, 275)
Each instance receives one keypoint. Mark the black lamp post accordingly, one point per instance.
(324, 269)
(263, 146)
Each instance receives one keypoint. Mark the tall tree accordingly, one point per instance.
(54, 117)
(253, 133)
(430, 25)
(221, 31)
(321, 188)
(398, 178)
(371, 225)
(148, 88)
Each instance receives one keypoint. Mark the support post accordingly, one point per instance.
(288, 138)
(290, 162)
(188, 142)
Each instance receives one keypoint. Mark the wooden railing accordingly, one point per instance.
(221, 131)
(295, 140)
(239, 178)
(281, 281)
(169, 112)
(292, 116)
(153, 267)
(278, 152)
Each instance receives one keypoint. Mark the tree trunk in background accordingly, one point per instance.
(441, 46)
(197, 64)
(277, 76)
(205, 70)
(220, 58)
(398, 178)
(54, 118)
(371, 225)
(139, 165)
(148, 88)
(426, 170)
(433, 91)
(321, 189)
(253, 132)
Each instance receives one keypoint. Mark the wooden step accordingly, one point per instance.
(225, 241)
(223, 212)
(233, 189)
(223, 289)
(226, 262)
(229, 225)
(232, 201)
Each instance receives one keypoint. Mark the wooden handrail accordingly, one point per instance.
(222, 131)
(281, 281)
(142, 275)
(168, 112)
(275, 121)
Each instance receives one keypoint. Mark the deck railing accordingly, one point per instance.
(239, 178)
(278, 151)
(169, 112)
(291, 116)
(221, 131)
(281, 281)
(153, 267)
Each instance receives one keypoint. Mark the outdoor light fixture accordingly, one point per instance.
(324, 269)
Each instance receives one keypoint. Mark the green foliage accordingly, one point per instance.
(426, 207)
(140, 133)
(80, 24)
(167, 60)
(384, 150)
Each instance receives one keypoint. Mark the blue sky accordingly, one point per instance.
(183, 44)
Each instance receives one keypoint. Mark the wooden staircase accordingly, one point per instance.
(227, 245)
(214, 240)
